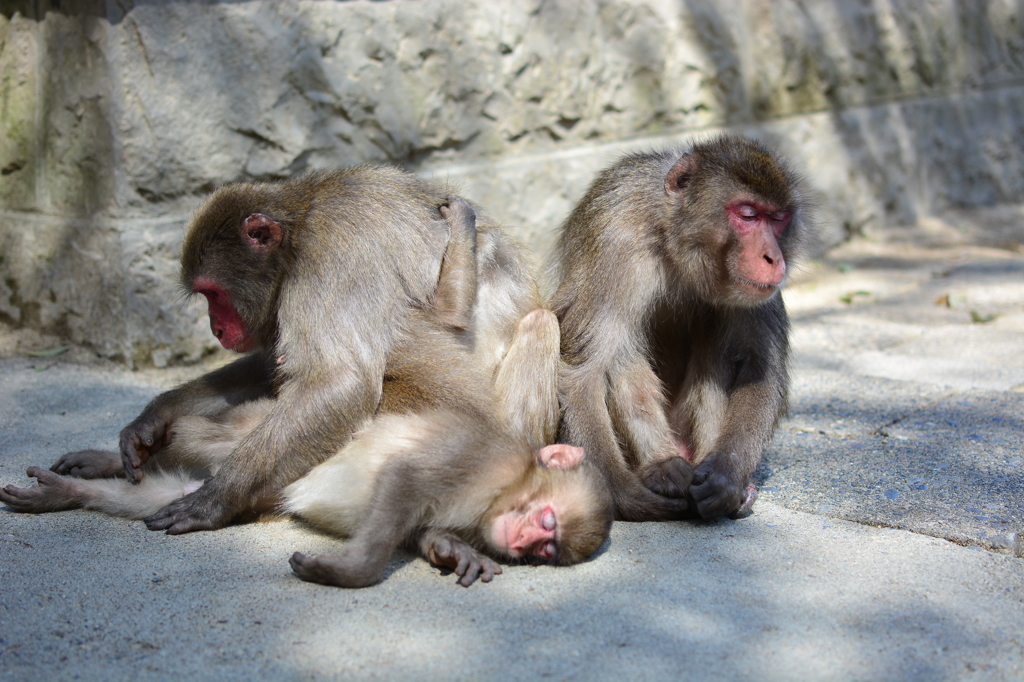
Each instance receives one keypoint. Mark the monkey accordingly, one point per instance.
(448, 479)
(674, 336)
(312, 278)
(434, 470)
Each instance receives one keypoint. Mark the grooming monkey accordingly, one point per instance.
(674, 334)
(573, 519)
(317, 276)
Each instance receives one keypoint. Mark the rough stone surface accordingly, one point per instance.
(116, 118)
(908, 396)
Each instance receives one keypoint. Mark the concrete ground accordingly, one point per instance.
(886, 542)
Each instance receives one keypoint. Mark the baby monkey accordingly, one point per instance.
(437, 469)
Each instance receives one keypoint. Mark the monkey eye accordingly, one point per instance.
(210, 294)
(548, 520)
(547, 550)
(779, 216)
(747, 213)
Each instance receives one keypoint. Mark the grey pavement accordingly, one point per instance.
(886, 542)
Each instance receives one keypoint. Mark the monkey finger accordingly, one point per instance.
(176, 519)
(471, 574)
(491, 569)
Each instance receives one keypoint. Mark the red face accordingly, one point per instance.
(760, 267)
(531, 532)
(225, 323)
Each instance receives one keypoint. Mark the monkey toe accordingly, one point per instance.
(327, 570)
(178, 524)
(89, 464)
(457, 208)
(715, 498)
(50, 495)
(670, 477)
(304, 567)
(747, 506)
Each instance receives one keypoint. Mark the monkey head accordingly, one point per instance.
(734, 212)
(232, 255)
(559, 515)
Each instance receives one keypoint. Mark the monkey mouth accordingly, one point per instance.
(762, 289)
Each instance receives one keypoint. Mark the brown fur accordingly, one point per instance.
(667, 353)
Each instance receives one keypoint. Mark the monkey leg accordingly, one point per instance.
(90, 464)
(588, 423)
(526, 381)
(448, 551)
(116, 497)
(457, 285)
(352, 569)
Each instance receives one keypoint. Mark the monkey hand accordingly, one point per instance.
(142, 439)
(203, 509)
(718, 489)
(90, 464)
(447, 551)
(670, 477)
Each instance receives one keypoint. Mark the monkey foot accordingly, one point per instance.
(53, 493)
(670, 477)
(328, 571)
(90, 464)
(746, 507)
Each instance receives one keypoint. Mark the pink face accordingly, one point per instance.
(530, 532)
(760, 267)
(225, 323)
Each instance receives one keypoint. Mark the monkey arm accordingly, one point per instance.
(245, 379)
(394, 514)
(304, 426)
(755, 403)
(444, 549)
(586, 422)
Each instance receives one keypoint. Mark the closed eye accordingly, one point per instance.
(547, 551)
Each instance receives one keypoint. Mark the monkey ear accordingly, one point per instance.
(262, 233)
(560, 456)
(679, 174)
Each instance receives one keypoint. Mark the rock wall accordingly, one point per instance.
(118, 116)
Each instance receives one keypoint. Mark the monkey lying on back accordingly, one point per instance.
(674, 334)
